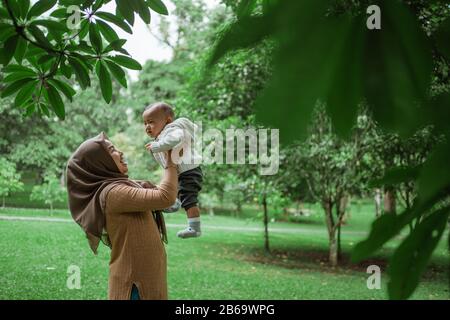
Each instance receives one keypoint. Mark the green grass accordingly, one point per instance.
(222, 264)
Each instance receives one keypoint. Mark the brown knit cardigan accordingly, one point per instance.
(138, 255)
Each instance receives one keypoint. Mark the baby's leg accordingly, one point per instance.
(193, 212)
(190, 184)
(193, 230)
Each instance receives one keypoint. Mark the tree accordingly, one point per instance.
(344, 64)
(42, 45)
(49, 192)
(9, 179)
(332, 167)
(29, 141)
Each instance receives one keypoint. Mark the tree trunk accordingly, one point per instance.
(377, 202)
(299, 209)
(343, 203)
(333, 246)
(238, 208)
(389, 200)
(266, 225)
(339, 248)
(333, 250)
(3, 203)
(51, 208)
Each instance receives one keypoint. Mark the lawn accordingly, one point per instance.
(227, 262)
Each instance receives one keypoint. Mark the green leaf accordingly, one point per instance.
(21, 49)
(44, 109)
(84, 29)
(14, 87)
(411, 257)
(126, 62)
(125, 10)
(144, 11)
(303, 66)
(66, 70)
(6, 31)
(95, 37)
(115, 45)
(30, 110)
(4, 13)
(433, 180)
(41, 7)
(19, 76)
(83, 46)
(53, 97)
(60, 13)
(81, 72)
(117, 72)
(45, 58)
(114, 19)
(442, 37)
(342, 93)
(382, 230)
(242, 34)
(17, 68)
(65, 88)
(245, 8)
(15, 8)
(9, 49)
(39, 36)
(105, 81)
(108, 32)
(51, 25)
(397, 68)
(158, 6)
(25, 93)
(24, 5)
(397, 175)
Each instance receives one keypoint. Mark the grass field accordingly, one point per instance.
(227, 262)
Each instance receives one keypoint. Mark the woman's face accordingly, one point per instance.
(117, 156)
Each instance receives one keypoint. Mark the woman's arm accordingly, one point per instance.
(123, 198)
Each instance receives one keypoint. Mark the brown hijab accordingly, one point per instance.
(90, 171)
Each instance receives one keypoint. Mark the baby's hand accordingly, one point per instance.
(148, 146)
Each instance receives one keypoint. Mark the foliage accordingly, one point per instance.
(9, 179)
(42, 44)
(343, 63)
(49, 192)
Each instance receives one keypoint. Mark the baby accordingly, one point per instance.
(177, 134)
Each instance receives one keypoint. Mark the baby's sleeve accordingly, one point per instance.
(169, 141)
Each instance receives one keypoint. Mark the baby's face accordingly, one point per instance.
(154, 122)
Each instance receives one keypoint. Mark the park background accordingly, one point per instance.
(287, 236)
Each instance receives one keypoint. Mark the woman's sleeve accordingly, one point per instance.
(123, 198)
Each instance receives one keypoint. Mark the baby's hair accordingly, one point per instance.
(165, 107)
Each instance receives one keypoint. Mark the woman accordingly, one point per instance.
(118, 211)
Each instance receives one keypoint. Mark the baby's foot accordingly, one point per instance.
(188, 233)
(174, 208)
